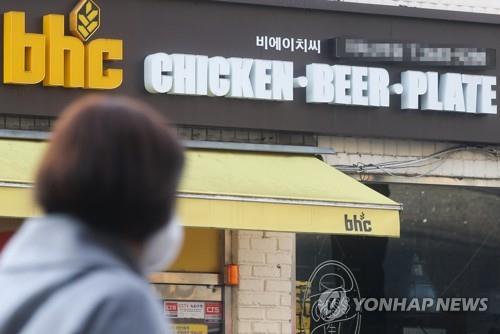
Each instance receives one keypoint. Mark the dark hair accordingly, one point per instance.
(114, 163)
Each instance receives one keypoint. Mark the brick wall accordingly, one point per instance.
(263, 301)
(483, 163)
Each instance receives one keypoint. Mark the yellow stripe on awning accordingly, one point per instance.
(277, 192)
(239, 190)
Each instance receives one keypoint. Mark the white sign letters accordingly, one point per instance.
(273, 80)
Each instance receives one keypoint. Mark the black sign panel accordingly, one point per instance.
(232, 30)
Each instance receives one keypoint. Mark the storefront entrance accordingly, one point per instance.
(193, 309)
(448, 250)
(192, 291)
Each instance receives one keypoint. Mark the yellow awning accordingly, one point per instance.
(239, 190)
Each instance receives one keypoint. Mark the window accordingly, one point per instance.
(449, 248)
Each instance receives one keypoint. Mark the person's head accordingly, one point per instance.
(114, 163)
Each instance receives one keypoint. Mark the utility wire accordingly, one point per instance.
(438, 158)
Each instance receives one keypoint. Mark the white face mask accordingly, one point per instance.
(163, 247)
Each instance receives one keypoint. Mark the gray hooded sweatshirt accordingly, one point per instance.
(57, 277)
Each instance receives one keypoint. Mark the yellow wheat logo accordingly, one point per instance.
(85, 19)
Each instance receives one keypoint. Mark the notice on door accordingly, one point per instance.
(184, 310)
(213, 311)
(208, 311)
(170, 309)
(189, 329)
(191, 310)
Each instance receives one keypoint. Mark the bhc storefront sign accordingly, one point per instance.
(272, 76)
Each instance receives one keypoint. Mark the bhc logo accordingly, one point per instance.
(357, 225)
